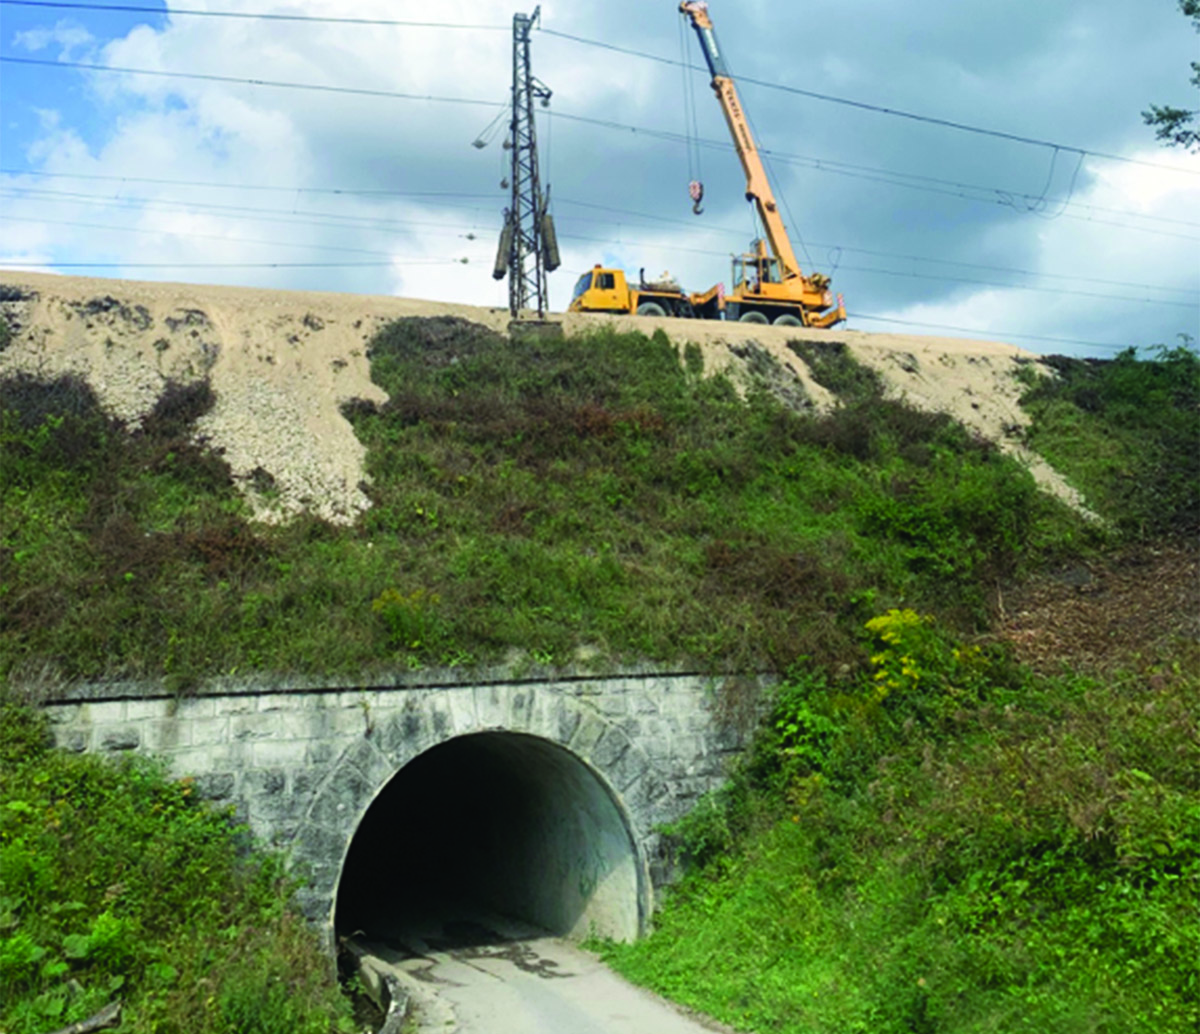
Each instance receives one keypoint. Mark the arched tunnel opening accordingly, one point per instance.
(492, 830)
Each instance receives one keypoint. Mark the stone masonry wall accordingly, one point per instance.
(302, 762)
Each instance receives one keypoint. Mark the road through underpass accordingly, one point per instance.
(465, 978)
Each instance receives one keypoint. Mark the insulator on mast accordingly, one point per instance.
(500, 270)
(550, 243)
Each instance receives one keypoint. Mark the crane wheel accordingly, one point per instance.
(650, 309)
(753, 317)
(788, 320)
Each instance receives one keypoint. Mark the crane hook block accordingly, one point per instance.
(696, 193)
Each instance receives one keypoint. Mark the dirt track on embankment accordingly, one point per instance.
(282, 363)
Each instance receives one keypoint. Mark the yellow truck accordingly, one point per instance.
(608, 290)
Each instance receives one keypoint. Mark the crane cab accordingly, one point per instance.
(764, 291)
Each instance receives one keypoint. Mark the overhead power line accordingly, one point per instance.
(1001, 196)
(375, 224)
(374, 220)
(250, 15)
(347, 191)
(221, 238)
(889, 254)
(658, 58)
(226, 265)
(295, 216)
(878, 108)
(277, 84)
(991, 335)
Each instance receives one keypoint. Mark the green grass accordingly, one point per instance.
(1127, 432)
(544, 497)
(119, 885)
(980, 850)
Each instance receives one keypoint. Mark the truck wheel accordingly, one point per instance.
(788, 320)
(753, 317)
(650, 309)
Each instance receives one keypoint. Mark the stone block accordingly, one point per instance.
(306, 780)
(209, 731)
(369, 760)
(254, 726)
(197, 761)
(404, 735)
(165, 734)
(588, 734)
(296, 725)
(278, 753)
(342, 799)
(135, 710)
(642, 703)
(441, 720)
(688, 747)
(627, 770)
(118, 738)
(234, 705)
(268, 782)
(274, 702)
(192, 708)
(315, 845)
(613, 705)
(491, 707)
(323, 752)
(609, 749)
(215, 786)
(461, 703)
(74, 741)
(63, 714)
(520, 707)
(345, 721)
(267, 812)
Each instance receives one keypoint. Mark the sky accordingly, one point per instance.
(923, 228)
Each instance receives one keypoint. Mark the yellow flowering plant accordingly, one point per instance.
(916, 662)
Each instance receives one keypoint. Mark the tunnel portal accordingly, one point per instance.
(493, 824)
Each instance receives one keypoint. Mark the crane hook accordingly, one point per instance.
(696, 193)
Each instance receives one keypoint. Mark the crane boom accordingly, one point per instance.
(758, 187)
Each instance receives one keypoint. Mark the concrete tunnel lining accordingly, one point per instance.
(494, 823)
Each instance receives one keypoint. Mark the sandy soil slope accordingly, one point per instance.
(283, 362)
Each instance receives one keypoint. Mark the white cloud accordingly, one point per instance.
(69, 36)
(211, 132)
(1133, 273)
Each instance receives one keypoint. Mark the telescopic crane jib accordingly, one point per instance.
(528, 245)
(769, 285)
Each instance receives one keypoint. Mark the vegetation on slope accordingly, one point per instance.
(1127, 433)
(925, 838)
(548, 497)
(948, 845)
(118, 885)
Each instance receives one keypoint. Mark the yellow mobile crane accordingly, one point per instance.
(768, 285)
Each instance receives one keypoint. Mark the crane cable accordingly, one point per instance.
(691, 125)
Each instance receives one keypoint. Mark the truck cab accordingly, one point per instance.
(602, 290)
(609, 291)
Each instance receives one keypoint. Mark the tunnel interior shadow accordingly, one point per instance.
(489, 838)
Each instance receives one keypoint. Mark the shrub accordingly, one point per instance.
(119, 883)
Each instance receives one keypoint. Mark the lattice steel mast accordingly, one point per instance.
(528, 245)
